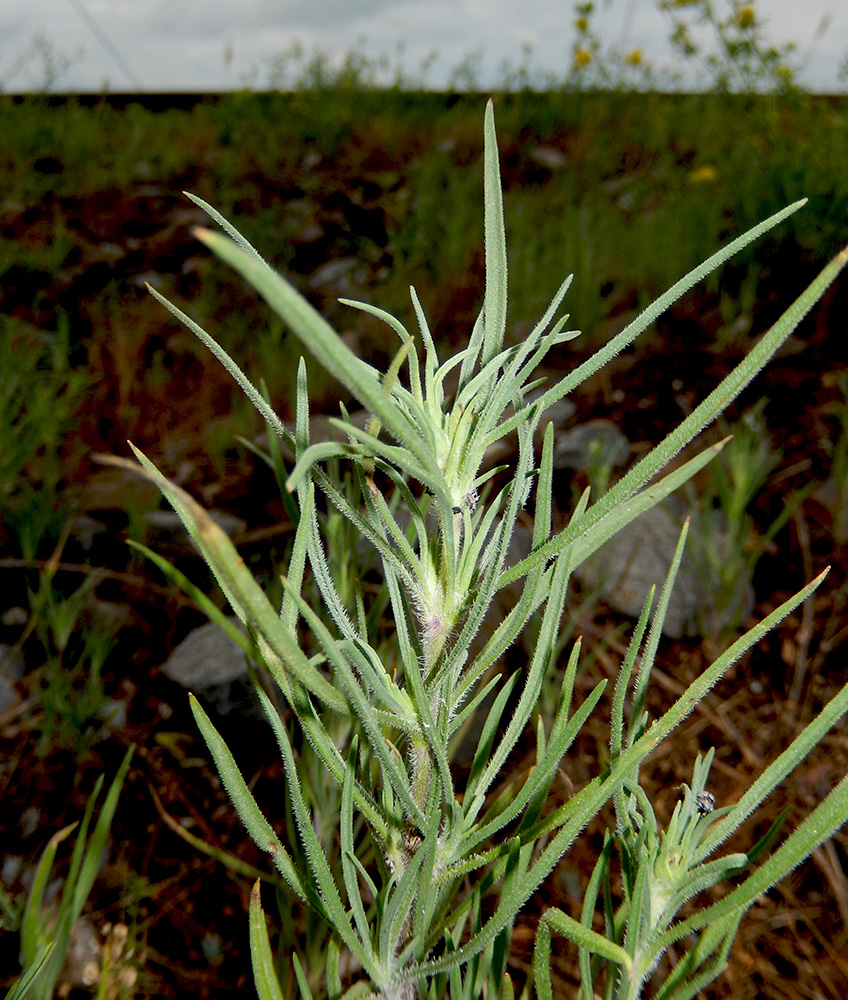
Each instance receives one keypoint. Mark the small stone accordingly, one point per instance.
(639, 556)
(212, 666)
(595, 443)
(549, 157)
(336, 276)
(11, 670)
(86, 530)
(14, 617)
(206, 657)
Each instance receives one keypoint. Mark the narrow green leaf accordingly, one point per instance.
(333, 908)
(32, 919)
(26, 985)
(323, 451)
(706, 411)
(402, 332)
(487, 735)
(302, 981)
(264, 968)
(96, 847)
(825, 820)
(390, 378)
(698, 879)
(317, 336)
(541, 776)
(402, 894)
(794, 754)
(205, 603)
(226, 225)
(347, 846)
(599, 878)
(332, 973)
(586, 938)
(641, 689)
(244, 383)
(622, 682)
(530, 694)
(542, 961)
(494, 308)
(245, 595)
(588, 532)
(649, 316)
(249, 812)
(393, 768)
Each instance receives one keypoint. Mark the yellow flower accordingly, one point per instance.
(746, 18)
(705, 174)
(582, 57)
(635, 57)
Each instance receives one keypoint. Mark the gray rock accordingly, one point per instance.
(86, 530)
(640, 555)
(11, 869)
(9, 696)
(595, 443)
(549, 157)
(11, 670)
(205, 657)
(337, 277)
(208, 663)
(14, 616)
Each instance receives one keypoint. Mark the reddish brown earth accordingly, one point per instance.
(794, 943)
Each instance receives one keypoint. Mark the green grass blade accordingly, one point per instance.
(29, 984)
(96, 848)
(32, 920)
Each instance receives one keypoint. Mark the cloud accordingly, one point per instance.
(180, 44)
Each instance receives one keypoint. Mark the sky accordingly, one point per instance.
(213, 45)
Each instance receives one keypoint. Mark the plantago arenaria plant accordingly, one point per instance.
(427, 872)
